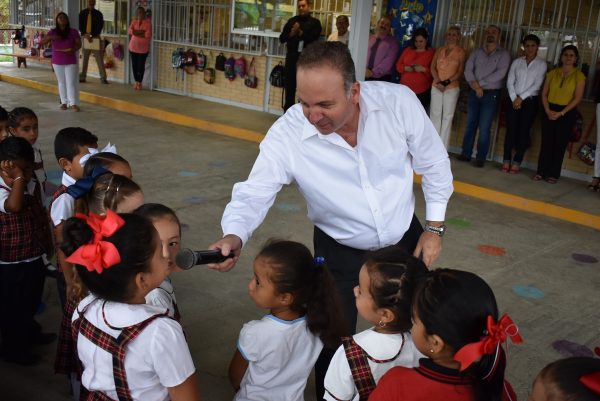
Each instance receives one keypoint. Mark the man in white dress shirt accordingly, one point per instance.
(352, 148)
(342, 34)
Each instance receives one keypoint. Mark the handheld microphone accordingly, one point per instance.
(186, 258)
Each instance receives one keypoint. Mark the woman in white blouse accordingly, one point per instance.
(524, 81)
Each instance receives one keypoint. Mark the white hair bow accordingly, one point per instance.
(110, 148)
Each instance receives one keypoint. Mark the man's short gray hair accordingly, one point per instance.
(332, 54)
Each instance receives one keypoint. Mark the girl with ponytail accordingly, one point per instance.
(457, 325)
(384, 292)
(276, 354)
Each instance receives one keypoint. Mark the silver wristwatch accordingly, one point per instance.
(435, 230)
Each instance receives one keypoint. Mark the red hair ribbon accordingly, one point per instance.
(591, 382)
(497, 333)
(98, 255)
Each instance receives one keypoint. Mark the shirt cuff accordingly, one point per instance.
(435, 211)
(238, 230)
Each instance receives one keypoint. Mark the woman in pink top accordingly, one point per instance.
(139, 45)
(413, 66)
(446, 68)
(65, 44)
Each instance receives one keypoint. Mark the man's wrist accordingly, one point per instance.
(435, 227)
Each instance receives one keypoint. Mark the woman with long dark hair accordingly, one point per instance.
(66, 42)
(563, 91)
(414, 67)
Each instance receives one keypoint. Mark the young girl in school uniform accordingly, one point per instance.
(576, 379)
(95, 193)
(128, 350)
(275, 355)
(24, 238)
(167, 225)
(456, 324)
(23, 123)
(383, 298)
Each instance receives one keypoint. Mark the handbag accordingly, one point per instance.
(587, 153)
(251, 81)
(209, 75)
(47, 53)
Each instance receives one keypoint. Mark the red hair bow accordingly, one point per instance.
(98, 255)
(591, 382)
(497, 333)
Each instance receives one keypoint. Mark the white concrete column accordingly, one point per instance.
(72, 10)
(359, 35)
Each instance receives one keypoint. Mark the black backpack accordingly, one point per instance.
(220, 62)
(277, 76)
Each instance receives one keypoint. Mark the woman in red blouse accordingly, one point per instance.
(414, 67)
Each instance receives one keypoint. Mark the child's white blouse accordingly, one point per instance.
(163, 297)
(63, 207)
(338, 379)
(280, 355)
(157, 359)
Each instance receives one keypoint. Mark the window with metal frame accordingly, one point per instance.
(36, 13)
(204, 23)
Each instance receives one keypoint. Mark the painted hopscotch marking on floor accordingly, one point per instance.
(582, 258)
(569, 348)
(491, 250)
(288, 207)
(527, 291)
(187, 174)
(458, 222)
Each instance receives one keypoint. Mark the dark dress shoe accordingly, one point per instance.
(463, 158)
(479, 163)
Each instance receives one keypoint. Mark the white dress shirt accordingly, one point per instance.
(361, 196)
(336, 37)
(525, 80)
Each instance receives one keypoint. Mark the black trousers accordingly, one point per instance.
(138, 65)
(555, 138)
(344, 263)
(518, 128)
(290, 81)
(425, 99)
(21, 286)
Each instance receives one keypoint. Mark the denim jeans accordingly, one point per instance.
(480, 115)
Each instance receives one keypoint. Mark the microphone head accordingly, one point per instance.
(186, 258)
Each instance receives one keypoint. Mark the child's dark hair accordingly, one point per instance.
(155, 211)
(107, 192)
(394, 275)
(68, 141)
(454, 305)
(294, 271)
(136, 242)
(104, 159)
(19, 113)
(15, 148)
(3, 114)
(563, 376)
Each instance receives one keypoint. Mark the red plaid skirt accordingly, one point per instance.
(66, 360)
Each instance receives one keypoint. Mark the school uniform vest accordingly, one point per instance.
(358, 360)
(25, 234)
(115, 346)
